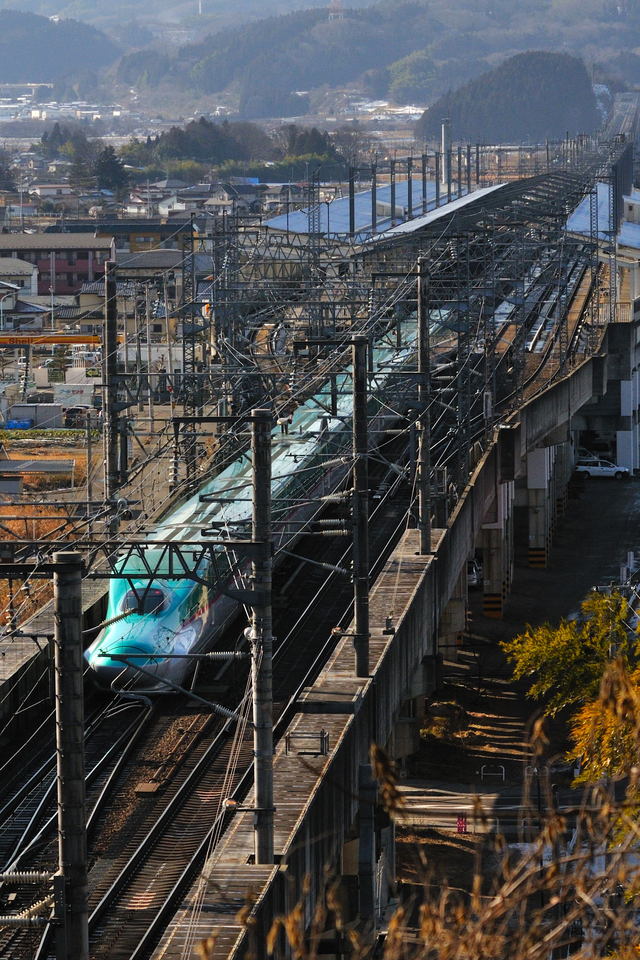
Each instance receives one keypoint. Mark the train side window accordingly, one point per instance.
(149, 602)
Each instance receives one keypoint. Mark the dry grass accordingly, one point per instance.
(565, 882)
(26, 522)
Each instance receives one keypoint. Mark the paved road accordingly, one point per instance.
(591, 542)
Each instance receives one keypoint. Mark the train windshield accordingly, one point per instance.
(143, 602)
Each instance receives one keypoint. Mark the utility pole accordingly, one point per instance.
(72, 837)
(392, 181)
(148, 320)
(89, 466)
(109, 390)
(261, 636)
(374, 198)
(352, 201)
(424, 414)
(360, 503)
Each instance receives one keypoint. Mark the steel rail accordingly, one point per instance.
(241, 788)
(129, 735)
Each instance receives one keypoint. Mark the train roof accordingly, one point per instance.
(233, 484)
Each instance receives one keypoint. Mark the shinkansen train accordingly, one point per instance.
(151, 621)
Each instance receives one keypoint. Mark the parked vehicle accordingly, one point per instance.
(595, 467)
(76, 416)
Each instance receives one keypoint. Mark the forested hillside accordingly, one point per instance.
(272, 59)
(409, 50)
(36, 48)
(529, 97)
(214, 12)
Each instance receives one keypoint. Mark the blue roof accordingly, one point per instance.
(334, 216)
(436, 213)
(629, 235)
(580, 219)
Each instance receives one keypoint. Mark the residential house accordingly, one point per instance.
(173, 205)
(60, 168)
(17, 208)
(277, 197)
(20, 273)
(64, 260)
(235, 198)
(28, 315)
(16, 313)
(139, 235)
(51, 191)
(159, 271)
(129, 234)
(160, 267)
(170, 185)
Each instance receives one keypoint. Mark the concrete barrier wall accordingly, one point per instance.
(464, 525)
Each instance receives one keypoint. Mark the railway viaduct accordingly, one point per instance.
(326, 822)
(327, 819)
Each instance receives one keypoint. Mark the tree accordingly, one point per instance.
(7, 180)
(555, 87)
(566, 663)
(352, 145)
(109, 170)
(412, 77)
(605, 732)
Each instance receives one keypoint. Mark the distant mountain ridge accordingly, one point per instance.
(111, 15)
(35, 48)
(401, 49)
(293, 60)
(271, 59)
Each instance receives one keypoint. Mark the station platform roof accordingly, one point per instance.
(432, 216)
(334, 214)
(580, 219)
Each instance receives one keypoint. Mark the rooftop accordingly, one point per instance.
(12, 266)
(52, 241)
(123, 289)
(334, 214)
(580, 219)
(629, 235)
(446, 209)
(149, 259)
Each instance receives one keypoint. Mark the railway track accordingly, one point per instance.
(128, 918)
(32, 808)
(27, 830)
(133, 891)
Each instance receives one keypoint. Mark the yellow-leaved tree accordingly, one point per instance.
(588, 665)
(605, 732)
(565, 664)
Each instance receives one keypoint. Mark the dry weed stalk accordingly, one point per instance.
(384, 772)
(569, 891)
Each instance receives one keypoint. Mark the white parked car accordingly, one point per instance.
(595, 467)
